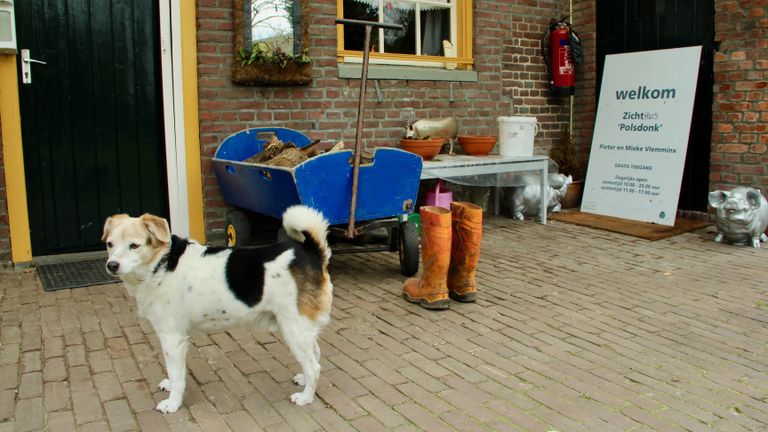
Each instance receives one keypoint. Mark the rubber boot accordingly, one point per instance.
(467, 224)
(431, 289)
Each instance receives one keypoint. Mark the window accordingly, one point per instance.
(435, 31)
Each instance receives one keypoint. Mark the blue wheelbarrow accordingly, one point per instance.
(386, 192)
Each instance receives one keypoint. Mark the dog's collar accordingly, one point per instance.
(171, 258)
(162, 263)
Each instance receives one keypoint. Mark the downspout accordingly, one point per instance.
(570, 114)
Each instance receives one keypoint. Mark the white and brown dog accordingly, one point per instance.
(182, 286)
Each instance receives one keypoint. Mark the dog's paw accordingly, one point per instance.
(168, 406)
(165, 385)
(299, 380)
(301, 399)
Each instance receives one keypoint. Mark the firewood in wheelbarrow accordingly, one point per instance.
(290, 155)
(273, 148)
(289, 158)
(312, 149)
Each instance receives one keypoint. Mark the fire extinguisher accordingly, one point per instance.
(564, 54)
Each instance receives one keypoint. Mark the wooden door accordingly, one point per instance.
(642, 25)
(92, 120)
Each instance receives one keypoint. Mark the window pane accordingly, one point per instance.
(435, 23)
(355, 35)
(396, 41)
(435, 27)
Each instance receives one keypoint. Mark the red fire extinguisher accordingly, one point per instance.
(564, 54)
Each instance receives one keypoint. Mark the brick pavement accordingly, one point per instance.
(575, 330)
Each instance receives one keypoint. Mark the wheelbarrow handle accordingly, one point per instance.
(370, 23)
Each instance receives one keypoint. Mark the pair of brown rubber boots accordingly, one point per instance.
(450, 249)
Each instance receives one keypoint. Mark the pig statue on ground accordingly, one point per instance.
(741, 216)
(525, 199)
(446, 128)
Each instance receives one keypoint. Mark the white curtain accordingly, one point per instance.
(405, 5)
(431, 42)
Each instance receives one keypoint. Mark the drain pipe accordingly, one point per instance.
(570, 113)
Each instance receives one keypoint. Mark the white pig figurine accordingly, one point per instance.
(526, 199)
(741, 216)
(446, 128)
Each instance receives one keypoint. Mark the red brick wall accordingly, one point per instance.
(511, 81)
(740, 111)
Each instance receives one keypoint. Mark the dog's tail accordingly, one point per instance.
(310, 227)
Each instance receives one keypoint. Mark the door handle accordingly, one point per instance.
(26, 66)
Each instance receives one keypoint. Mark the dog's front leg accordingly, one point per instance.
(175, 353)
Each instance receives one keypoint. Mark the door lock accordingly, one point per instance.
(26, 66)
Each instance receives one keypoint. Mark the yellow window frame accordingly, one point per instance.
(463, 58)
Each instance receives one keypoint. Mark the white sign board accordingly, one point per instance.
(641, 135)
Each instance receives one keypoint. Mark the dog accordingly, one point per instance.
(182, 286)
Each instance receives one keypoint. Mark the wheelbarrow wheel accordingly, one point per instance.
(408, 237)
(238, 229)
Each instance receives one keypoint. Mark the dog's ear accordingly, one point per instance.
(110, 223)
(107, 228)
(158, 228)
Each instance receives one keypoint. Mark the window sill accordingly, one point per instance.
(413, 73)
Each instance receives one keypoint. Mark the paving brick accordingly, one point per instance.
(96, 426)
(7, 405)
(381, 411)
(9, 353)
(208, 418)
(330, 420)
(138, 395)
(120, 416)
(29, 415)
(240, 421)
(348, 385)
(118, 347)
(421, 417)
(107, 386)
(57, 396)
(31, 385)
(424, 397)
(368, 424)
(151, 421)
(262, 411)
(126, 369)
(224, 341)
(87, 406)
(63, 421)
(221, 397)
(80, 378)
(54, 369)
(99, 361)
(31, 361)
(340, 402)
(235, 381)
(75, 355)
(9, 376)
(53, 347)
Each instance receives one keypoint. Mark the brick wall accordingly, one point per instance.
(511, 81)
(740, 111)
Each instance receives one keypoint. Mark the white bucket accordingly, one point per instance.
(516, 135)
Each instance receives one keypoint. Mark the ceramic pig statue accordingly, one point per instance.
(525, 199)
(446, 128)
(741, 216)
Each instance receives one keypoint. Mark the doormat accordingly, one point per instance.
(76, 274)
(645, 230)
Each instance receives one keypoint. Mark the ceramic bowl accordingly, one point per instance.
(426, 148)
(477, 145)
